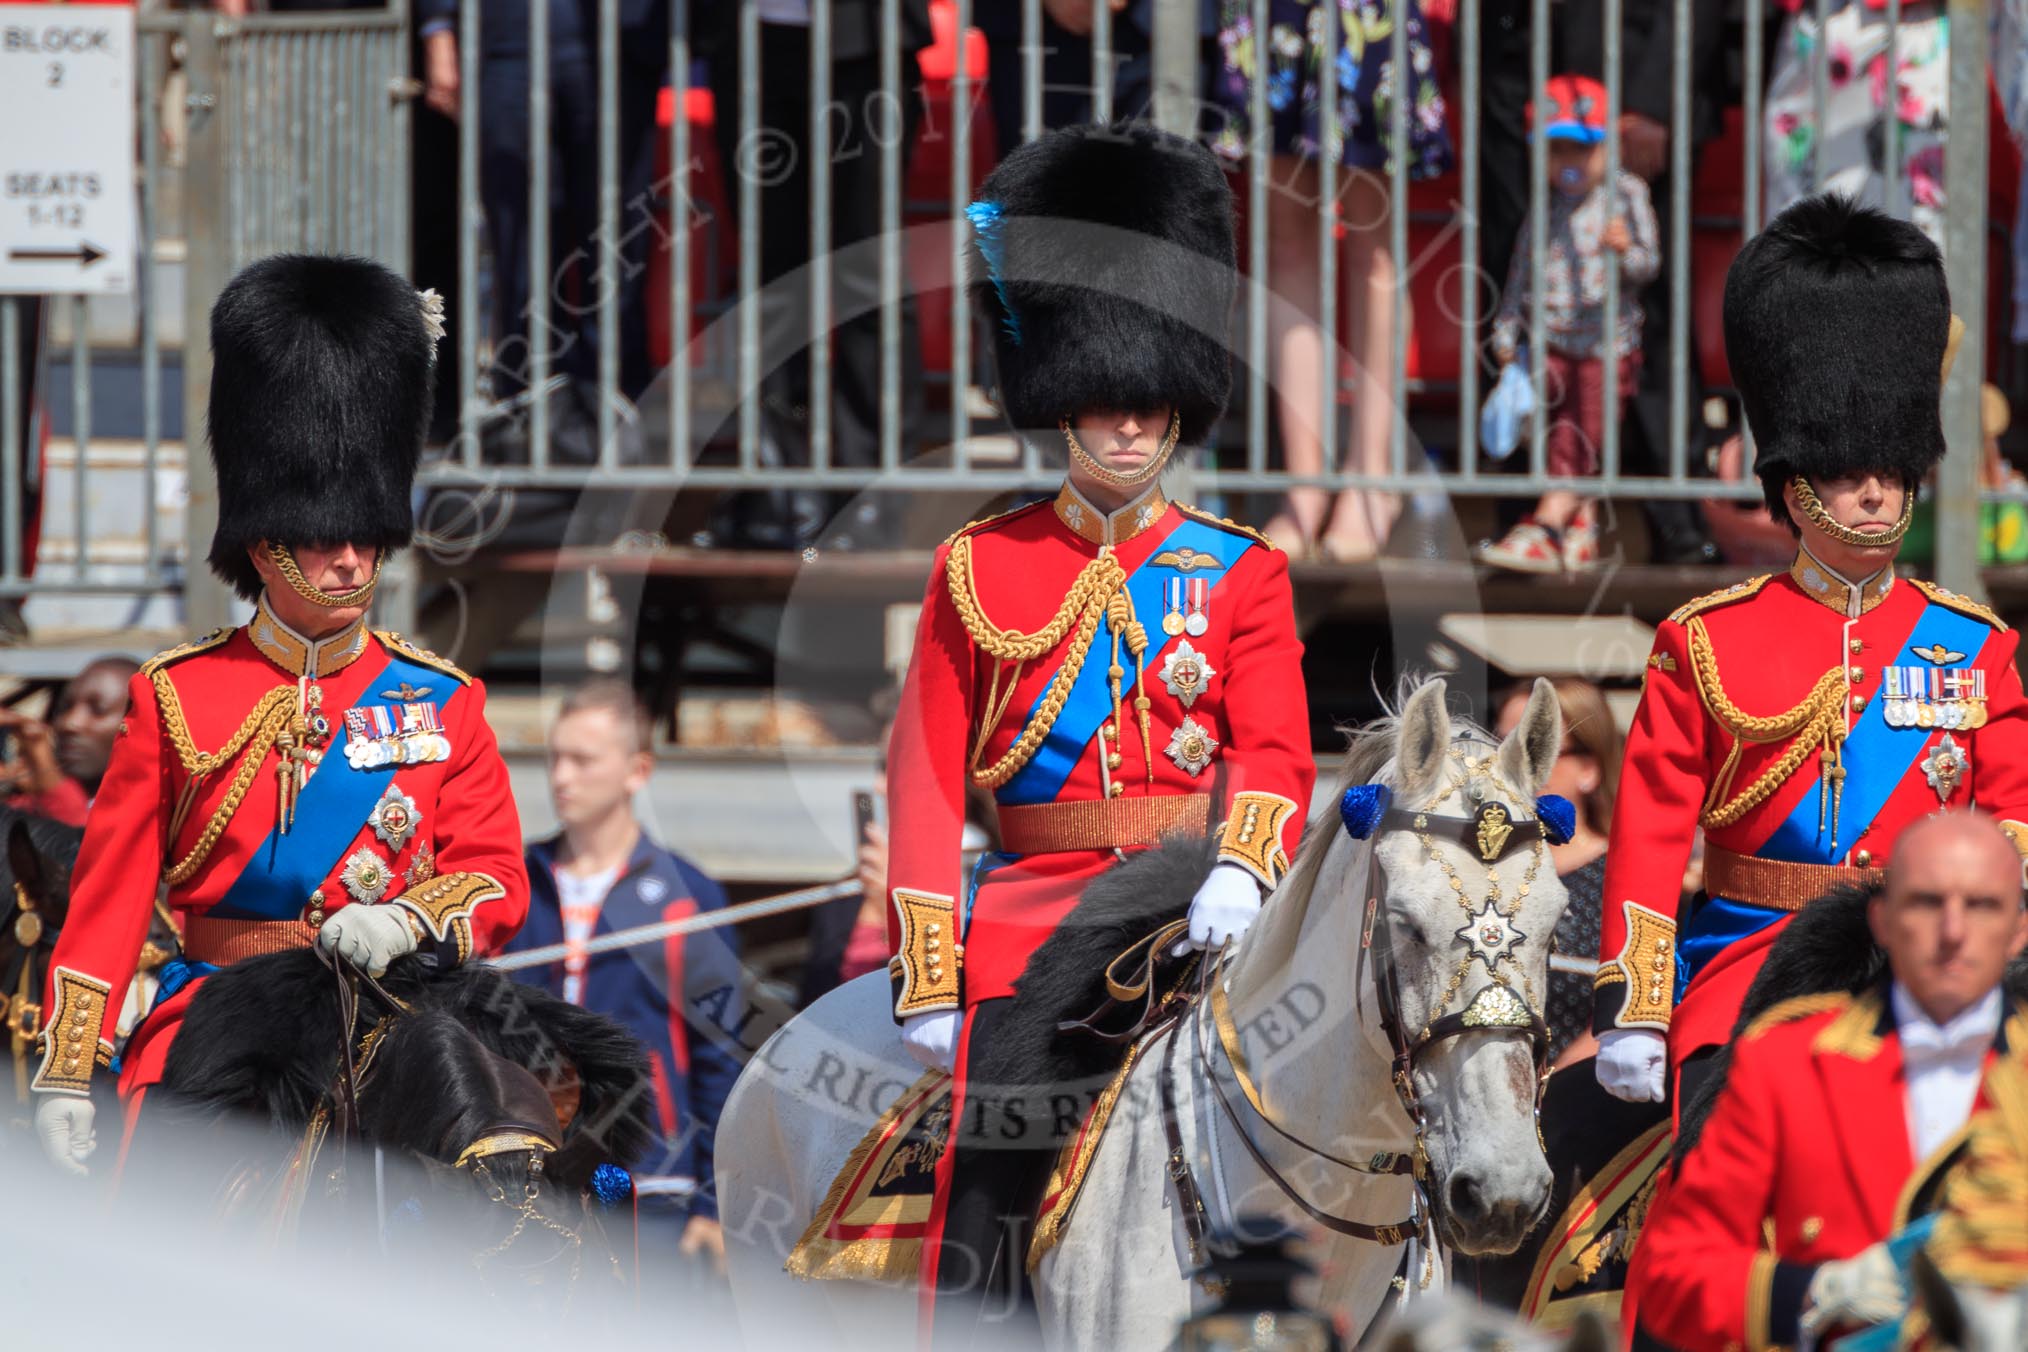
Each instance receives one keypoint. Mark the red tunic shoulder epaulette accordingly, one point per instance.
(1225, 524)
(995, 521)
(1738, 591)
(170, 656)
(422, 656)
(1795, 1009)
(1964, 605)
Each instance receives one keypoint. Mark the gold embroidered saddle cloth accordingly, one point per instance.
(871, 1223)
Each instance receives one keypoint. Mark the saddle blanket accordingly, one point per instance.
(872, 1220)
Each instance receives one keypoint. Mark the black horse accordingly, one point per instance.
(395, 1111)
(34, 899)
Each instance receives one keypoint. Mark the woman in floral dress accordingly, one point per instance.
(1362, 64)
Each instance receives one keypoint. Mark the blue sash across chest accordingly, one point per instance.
(1090, 701)
(330, 811)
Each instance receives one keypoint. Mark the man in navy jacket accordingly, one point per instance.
(681, 996)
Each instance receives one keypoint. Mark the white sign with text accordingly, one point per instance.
(67, 200)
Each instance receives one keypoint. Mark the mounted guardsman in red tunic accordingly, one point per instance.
(1802, 720)
(300, 779)
(1112, 665)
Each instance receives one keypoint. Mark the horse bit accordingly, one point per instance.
(1492, 834)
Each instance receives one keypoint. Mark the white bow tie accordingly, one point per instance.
(1925, 1043)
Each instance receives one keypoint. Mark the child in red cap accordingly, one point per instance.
(1587, 217)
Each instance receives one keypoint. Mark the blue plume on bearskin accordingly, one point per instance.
(1362, 807)
(989, 235)
(612, 1185)
(1559, 815)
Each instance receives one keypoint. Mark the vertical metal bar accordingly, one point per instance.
(1679, 240)
(611, 269)
(207, 262)
(1173, 40)
(470, 217)
(1261, 135)
(749, 236)
(1609, 424)
(1397, 245)
(1538, 236)
(1890, 112)
(1820, 93)
(1472, 268)
(820, 231)
(11, 397)
(961, 193)
(536, 321)
(1754, 61)
(81, 427)
(146, 307)
(679, 249)
(895, 127)
(1031, 69)
(1101, 61)
(1327, 239)
(321, 82)
(1957, 498)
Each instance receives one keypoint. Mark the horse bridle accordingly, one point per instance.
(1493, 833)
(20, 988)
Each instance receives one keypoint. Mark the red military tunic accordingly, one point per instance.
(409, 804)
(1080, 769)
(1802, 722)
(1806, 1158)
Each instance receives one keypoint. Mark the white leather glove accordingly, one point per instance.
(1223, 908)
(63, 1123)
(1857, 1291)
(932, 1038)
(1631, 1062)
(368, 937)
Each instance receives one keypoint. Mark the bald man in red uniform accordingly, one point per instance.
(300, 779)
(1114, 666)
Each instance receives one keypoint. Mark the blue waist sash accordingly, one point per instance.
(1876, 757)
(1090, 702)
(330, 810)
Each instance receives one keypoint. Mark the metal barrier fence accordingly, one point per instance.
(298, 128)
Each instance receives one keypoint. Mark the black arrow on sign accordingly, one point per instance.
(84, 255)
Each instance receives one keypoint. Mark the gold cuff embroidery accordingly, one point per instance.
(445, 905)
(72, 1044)
(2017, 832)
(1759, 1301)
(929, 953)
(1647, 964)
(1253, 835)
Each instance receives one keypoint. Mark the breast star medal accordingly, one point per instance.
(1192, 748)
(1185, 673)
(1944, 767)
(394, 818)
(1490, 936)
(366, 876)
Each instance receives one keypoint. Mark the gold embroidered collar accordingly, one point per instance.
(1837, 592)
(1076, 511)
(300, 656)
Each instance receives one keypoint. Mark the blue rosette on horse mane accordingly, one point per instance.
(1559, 817)
(612, 1185)
(988, 232)
(1362, 807)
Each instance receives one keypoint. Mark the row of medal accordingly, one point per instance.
(1186, 606)
(394, 734)
(1932, 697)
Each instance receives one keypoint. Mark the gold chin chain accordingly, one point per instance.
(1095, 596)
(1820, 517)
(303, 587)
(1113, 478)
(1817, 724)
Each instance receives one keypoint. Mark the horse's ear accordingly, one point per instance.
(1529, 753)
(1423, 742)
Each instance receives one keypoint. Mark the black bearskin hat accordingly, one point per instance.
(1836, 321)
(320, 393)
(1104, 258)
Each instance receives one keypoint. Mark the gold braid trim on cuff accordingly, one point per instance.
(71, 1042)
(1759, 1301)
(445, 904)
(929, 935)
(1646, 964)
(1252, 837)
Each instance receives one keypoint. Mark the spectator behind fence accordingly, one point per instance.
(1305, 362)
(866, 121)
(55, 767)
(1587, 217)
(681, 996)
(1587, 773)
(582, 264)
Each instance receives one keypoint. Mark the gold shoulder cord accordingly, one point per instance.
(1816, 724)
(1094, 597)
(268, 720)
